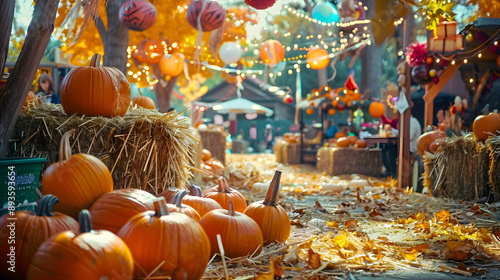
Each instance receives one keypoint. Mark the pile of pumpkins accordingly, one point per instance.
(348, 141)
(96, 91)
(210, 164)
(128, 233)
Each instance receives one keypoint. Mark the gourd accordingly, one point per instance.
(87, 254)
(271, 218)
(223, 194)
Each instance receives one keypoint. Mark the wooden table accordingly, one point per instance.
(376, 141)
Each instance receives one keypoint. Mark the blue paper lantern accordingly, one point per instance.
(325, 12)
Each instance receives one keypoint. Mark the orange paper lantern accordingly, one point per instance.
(332, 111)
(376, 109)
(310, 111)
(317, 58)
(272, 52)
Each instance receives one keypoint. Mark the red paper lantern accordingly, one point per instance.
(137, 15)
(341, 107)
(317, 58)
(310, 111)
(260, 4)
(212, 18)
(272, 52)
(332, 111)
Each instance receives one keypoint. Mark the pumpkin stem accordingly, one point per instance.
(223, 185)
(274, 187)
(178, 197)
(161, 208)
(84, 221)
(231, 209)
(96, 60)
(485, 112)
(140, 91)
(195, 190)
(64, 146)
(44, 207)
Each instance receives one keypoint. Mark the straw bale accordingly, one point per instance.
(214, 140)
(494, 170)
(288, 153)
(144, 149)
(460, 170)
(323, 159)
(341, 161)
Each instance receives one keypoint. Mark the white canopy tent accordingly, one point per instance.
(242, 105)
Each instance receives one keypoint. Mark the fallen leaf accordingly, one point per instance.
(351, 225)
(457, 250)
(267, 275)
(462, 266)
(409, 255)
(374, 213)
(442, 216)
(314, 260)
(420, 247)
(341, 239)
(299, 211)
(340, 211)
(332, 224)
(476, 209)
(318, 207)
(278, 270)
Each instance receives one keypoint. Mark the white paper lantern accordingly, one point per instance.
(230, 52)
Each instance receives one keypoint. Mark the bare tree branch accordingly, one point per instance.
(101, 28)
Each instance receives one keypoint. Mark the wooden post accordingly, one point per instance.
(404, 120)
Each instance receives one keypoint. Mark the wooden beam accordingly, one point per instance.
(432, 90)
(15, 91)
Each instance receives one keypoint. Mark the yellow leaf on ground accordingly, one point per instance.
(314, 260)
(442, 216)
(409, 255)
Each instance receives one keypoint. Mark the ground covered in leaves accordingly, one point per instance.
(352, 223)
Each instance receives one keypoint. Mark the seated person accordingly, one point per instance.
(331, 129)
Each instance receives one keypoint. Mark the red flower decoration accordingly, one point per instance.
(416, 53)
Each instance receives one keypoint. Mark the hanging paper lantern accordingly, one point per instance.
(376, 109)
(137, 15)
(310, 111)
(213, 15)
(332, 111)
(230, 52)
(172, 65)
(334, 103)
(340, 107)
(260, 4)
(317, 58)
(350, 84)
(272, 52)
(287, 99)
(469, 37)
(420, 75)
(429, 60)
(325, 12)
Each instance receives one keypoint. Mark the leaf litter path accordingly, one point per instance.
(358, 227)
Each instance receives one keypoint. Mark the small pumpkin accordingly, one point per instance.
(77, 180)
(95, 91)
(217, 166)
(425, 140)
(112, 210)
(486, 125)
(202, 205)
(31, 230)
(240, 234)
(205, 155)
(360, 144)
(436, 145)
(178, 206)
(271, 217)
(89, 254)
(169, 193)
(222, 193)
(343, 142)
(340, 134)
(30, 98)
(171, 243)
(143, 101)
(352, 139)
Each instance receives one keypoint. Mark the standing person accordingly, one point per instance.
(45, 93)
(268, 134)
(331, 129)
(253, 137)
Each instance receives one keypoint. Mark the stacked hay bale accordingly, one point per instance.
(351, 161)
(214, 139)
(287, 152)
(144, 149)
(494, 169)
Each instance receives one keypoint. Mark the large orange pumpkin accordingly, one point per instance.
(425, 140)
(172, 243)
(317, 58)
(343, 142)
(112, 210)
(272, 52)
(77, 180)
(95, 91)
(485, 126)
(240, 234)
(31, 230)
(202, 205)
(172, 65)
(223, 194)
(143, 101)
(87, 254)
(376, 109)
(271, 217)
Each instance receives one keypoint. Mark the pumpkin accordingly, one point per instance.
(360, 143)
(77, 180)
(30, 98)
(178, 206)
(217, 166)
(343, 142)
(436, 145)
(240, 234)
(202, 205)
(31, 230)
(169, 193)
(271, 218)
(168, 244)
(112, 210)
(340, 134)
(149, 51)
(425, 140)
(89, 254)
(205, 155)
(223, 194)
(352, 139)
(95, 91)
(172, 65)
(143, 101)
(137, 15)
(486, 125)
(212, 15)
(376, 109)
(272, 52)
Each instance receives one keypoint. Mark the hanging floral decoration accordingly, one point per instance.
(416, 53)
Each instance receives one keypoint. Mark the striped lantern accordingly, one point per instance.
(272, 52)
(137, 15)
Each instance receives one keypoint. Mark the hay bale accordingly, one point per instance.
(198, 151)
(144, 149)
(340, 161)
(323, 159)
(288, 153)
(494, 170)
(460, 170)
(214, 140)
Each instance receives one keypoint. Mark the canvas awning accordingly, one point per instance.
(242, 106)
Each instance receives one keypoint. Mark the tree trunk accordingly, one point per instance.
(6, 16)
(163, 90)
(15, 91)
(116, 40)
(371, 62)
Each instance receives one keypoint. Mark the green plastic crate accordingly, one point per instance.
(24, 174)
